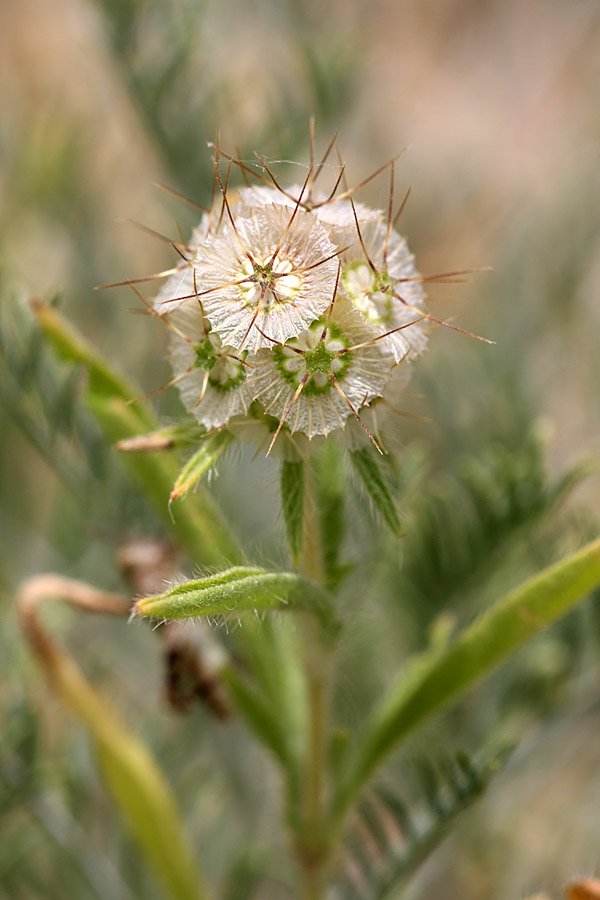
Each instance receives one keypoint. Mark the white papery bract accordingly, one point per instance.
(258, 429)
(267, 277)
(381, 416)
(211, 376)
(178, 288)
(181, 285)
(293, 312)
(317, 378)
(386, 288)
(328, 211)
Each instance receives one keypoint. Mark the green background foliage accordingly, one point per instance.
(498, 103)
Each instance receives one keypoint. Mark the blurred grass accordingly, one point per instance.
(498, 102)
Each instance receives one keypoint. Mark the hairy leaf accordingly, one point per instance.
(164, 438)
(238, 590)
(368, 468)
(200, 462)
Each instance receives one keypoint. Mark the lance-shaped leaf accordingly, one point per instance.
(260, 716)
(273, 699)
(292, 504)
(128, 768)
(329, 492)
(434, 679)
(368, 469)
(166, 438)
(238, 590)
(200, 462)
(200, 526)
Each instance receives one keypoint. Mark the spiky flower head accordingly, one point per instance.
(294, 310)
(323, 374)
(381, 281)
(211, 375)
(267, 274)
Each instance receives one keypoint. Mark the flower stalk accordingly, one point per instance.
(313, 848)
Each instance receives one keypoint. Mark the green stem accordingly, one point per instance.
(312, 843)
(317, 731)
(311, 562)
(316, 854)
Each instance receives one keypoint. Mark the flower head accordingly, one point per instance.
(322, 375)
(266, 274)
(211, 375)
(381, 281)
(294, 311)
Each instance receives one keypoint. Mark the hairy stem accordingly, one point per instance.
(312, 840)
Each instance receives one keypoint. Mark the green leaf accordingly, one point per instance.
(200, 462)
(436, 678)
(272, 648)
(403, 838)
(200, 526)
(136, 783)
(270, 693)
(292, 504)
(238, 590)
(180, 435)
(368, 469)
(328, 492)
(71, 346)
(466, 521)
(259, 715)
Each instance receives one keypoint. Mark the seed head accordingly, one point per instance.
(211, 375)
(294, 311)
(318, 377)
(265, 276)
(381, 281)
